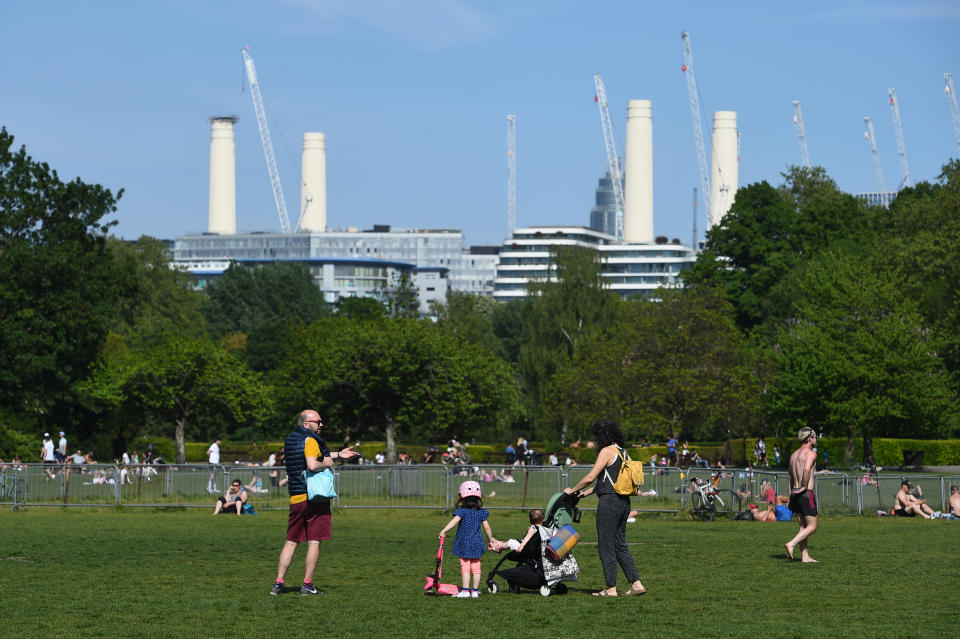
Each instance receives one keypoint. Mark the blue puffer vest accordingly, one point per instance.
(296, 461)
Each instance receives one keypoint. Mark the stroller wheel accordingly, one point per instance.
(514, 587)
(492, 588)
(545, 591)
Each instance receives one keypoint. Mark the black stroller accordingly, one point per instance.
(533, 569)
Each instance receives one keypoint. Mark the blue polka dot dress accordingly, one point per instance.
(469, 543)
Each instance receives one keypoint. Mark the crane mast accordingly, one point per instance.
(613, 162)
(511, 174)
(871, 139)
(898, 129)
(801, 133)
(694, 93)
(951, 94)
(265, 139)
(693, 243)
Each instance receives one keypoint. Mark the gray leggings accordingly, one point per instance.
(612, 512)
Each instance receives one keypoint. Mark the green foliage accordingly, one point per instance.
(562, 316)
(156, 300)
(469, 318)
(395, 378)
(245, 298)
(677, 365)
(856, 356)
(58, 285)
(769, 232)
(195, 387)
(400, 297)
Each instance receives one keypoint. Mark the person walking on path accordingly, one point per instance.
(308, 521)
(803, 502)
(613, 510)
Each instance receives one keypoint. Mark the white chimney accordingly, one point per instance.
(313, 183)
(638, 173)
(223, 178)
(723, 165)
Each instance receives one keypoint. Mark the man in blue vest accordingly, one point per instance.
(304, 449)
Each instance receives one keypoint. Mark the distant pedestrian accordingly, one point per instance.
(213, 458)
(47, 456)
(61, 453)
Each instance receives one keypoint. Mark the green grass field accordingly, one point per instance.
(94, 572)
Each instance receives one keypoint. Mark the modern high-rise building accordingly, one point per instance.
(603, 216)
(626, 268)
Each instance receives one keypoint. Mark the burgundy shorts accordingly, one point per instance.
(309, 521)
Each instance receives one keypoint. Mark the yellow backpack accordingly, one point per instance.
(631, 475)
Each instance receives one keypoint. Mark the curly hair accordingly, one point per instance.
(607, 433)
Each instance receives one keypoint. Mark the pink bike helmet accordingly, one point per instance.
(470, 489)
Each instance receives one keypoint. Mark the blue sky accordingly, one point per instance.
(413, 97)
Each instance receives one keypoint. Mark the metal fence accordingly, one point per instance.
(431, 486)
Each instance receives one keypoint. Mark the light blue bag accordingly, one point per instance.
(319, 485)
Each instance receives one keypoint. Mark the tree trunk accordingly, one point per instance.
(867, 446)
(179, 436)
(726, 452)
(391, 441)
(848, 452)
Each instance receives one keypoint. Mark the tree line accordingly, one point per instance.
(806, 306)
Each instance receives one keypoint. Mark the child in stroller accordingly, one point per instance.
(534, 569)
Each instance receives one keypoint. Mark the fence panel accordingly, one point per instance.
(429, 486)
(389, 486)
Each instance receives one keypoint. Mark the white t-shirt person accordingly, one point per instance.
(213, 453)
(47, 450)
(62, 444)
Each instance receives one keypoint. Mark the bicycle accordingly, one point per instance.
(709, 502)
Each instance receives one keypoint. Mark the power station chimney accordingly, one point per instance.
(223, 178)
(723, 165)
(313, 183)
(638, 174)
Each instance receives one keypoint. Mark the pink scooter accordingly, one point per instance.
(434, 587)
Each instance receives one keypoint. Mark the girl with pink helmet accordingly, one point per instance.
(469, 545)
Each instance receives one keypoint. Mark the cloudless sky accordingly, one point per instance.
(413, 97)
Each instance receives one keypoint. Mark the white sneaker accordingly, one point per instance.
(463, 594)
(475, 594)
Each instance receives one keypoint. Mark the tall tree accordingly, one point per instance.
(769, 232)
(677, 365)
(246, 297)
(856, 358)
(561, 317)
(396, 378)
(58, 283)
(155, 300)
(194, 386)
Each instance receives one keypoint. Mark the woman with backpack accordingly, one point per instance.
(613, 509)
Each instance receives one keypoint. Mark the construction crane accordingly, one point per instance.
(693, 243)
(871, 139)
(511, 174)
(898, 129)
(801, 133)
(613, 161)
(952, 102)
(694, 92)
(265, 139)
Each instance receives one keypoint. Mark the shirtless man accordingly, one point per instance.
(953, 503)
(907, 504)
(802, 465)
